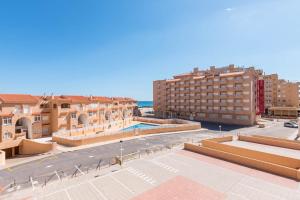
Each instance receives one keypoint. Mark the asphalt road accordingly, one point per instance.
(64, 163)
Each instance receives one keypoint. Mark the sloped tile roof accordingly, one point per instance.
(18, 98)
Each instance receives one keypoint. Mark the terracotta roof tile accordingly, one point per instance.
(102, 99)
(123, 99)
(76, 99)
(18, 98)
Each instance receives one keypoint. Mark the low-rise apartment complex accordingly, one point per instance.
(226, 95)
(27, 116)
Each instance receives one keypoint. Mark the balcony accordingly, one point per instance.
(240, 88)
(241, 112)
(223, 88)
(226, 111)
(238, 80)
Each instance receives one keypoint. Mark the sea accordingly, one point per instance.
(144, 104)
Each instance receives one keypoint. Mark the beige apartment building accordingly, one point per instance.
(280, 93)
(281, 96)
(271, 88)
(224, 95)
(26, 116)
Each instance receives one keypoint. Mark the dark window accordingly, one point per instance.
(65, 105)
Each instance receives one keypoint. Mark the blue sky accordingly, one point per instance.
(117, 48)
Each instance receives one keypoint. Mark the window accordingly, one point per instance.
(37, 118)
(7, 135)
(17, 109)
(45, 131)
(26, 109)
(6, 121)
(65, 105)
(73, 115)
(45, 118)
(93, 105)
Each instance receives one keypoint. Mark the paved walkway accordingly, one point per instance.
(173, 175)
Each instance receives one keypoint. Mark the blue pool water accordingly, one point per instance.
(140, 126)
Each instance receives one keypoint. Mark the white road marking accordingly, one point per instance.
(122, 184)
(48, 166)
(261, 191)
(238, 195)
(68, 195)
(141, 175)
(99, 192)
(165, 166)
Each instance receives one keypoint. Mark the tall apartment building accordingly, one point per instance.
(287, 94)
(271, 87)
(27, 116)
(225, 95)
(280, 93)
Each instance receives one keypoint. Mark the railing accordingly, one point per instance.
(96, 166)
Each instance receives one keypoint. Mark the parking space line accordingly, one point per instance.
(97, 190)
(141, 175)
(165, 166)
(122, 184)
(68, 195)
(261, 191)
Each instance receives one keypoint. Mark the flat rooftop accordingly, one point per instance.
(177, 174)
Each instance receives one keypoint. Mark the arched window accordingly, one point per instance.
(7, 135)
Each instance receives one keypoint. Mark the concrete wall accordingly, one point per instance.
(2, 158)
(289, 144)
(29, 147)
(69, 141)
(257, 155)
(246, 161)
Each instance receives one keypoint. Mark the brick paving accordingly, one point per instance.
(181, 188)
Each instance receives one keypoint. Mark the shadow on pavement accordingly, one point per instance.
(224, 127)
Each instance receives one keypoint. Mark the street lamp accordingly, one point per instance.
(121, 151)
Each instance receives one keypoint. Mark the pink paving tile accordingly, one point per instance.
(271, 178)
(180, 188)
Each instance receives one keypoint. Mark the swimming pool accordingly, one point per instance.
(140, 126)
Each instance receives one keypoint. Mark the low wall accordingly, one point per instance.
(89, 139)
(267, 157)
(221, 139)
(164, 121)
(30, 147)
(289, 144)
(246, 161)
(2, 158)
(82, 137)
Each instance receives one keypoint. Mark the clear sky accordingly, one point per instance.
(117, 48)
